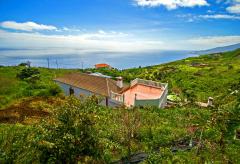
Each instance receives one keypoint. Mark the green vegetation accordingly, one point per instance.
(82, 131)
(19, 82)
(28, 73)
(195, 78)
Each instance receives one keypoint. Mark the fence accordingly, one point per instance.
(149, 83)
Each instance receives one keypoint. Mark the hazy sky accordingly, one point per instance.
(89, 26)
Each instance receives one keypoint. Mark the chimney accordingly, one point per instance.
(120, 82)
(210, 101)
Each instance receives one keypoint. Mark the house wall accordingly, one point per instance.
(143, 92)
(83, 92)
(160, 102)
(77, 91)
(153, 102)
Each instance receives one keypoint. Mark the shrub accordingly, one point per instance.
(55, 90)
(13, 145)
(29, 74)
(23, 64)
(70, 136)
(43, 93)
(52, 90)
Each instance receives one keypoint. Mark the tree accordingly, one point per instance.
(23, 64)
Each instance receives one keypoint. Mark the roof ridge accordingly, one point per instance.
(85, 74)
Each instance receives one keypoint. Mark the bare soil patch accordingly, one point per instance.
(18, 112)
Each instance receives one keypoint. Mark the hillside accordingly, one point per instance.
(195, 78)
(39, 125)
(219, 49)
(12, 88)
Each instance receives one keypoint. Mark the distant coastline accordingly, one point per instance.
(11, 57)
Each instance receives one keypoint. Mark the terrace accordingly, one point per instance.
(143, 92)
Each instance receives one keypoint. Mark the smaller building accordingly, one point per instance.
(206, 105)
(102, 65)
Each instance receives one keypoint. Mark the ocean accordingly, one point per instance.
(11, 57)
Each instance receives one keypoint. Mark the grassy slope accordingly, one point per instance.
(218, 79)
(11, 88)
(159, 128)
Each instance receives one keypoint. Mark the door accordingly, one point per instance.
(71, 91)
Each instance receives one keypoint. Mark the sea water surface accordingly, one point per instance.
(10, 57)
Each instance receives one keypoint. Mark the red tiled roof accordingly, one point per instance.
(101, 65)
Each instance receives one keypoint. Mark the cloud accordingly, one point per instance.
(213, 41)
(220, 16)
(26, 26)
(172, 4)
(83, 43)
(235, 9)
(93, 43)
(101, 32)
(193, 18)
(70, 29)
(106, 41)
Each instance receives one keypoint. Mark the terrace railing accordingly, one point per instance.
(117, 97)
(148, 83)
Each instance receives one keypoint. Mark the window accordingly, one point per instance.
(71, 91)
